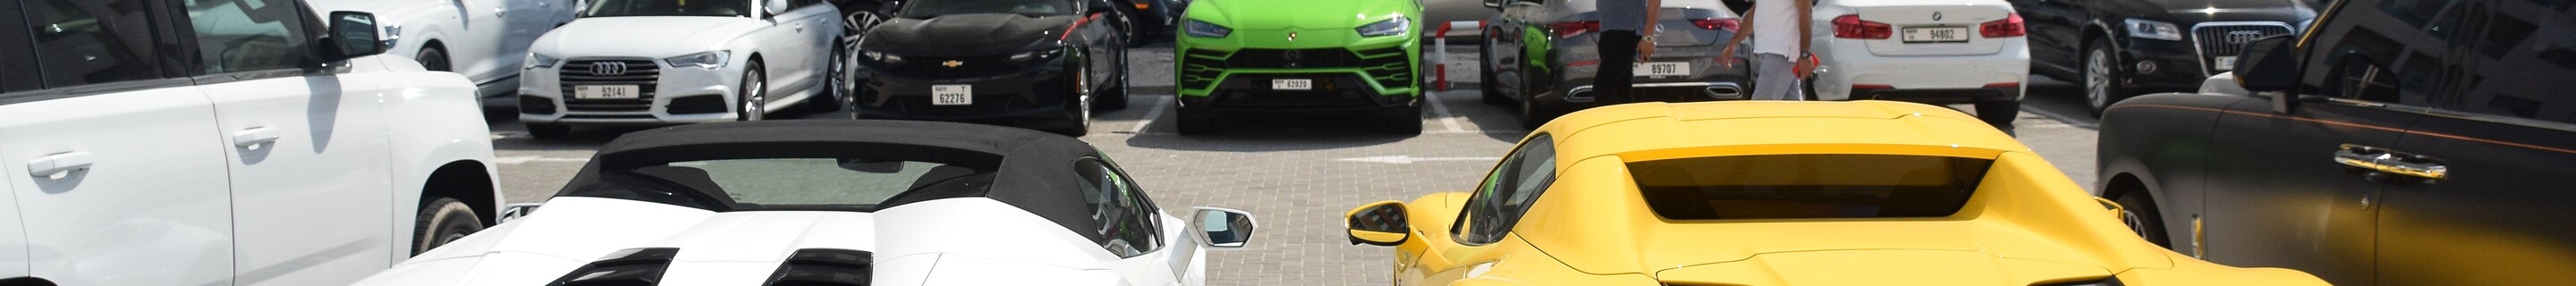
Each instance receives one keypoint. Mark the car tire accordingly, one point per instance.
(1193, 121)
(753, 94)
(544, 131)
(1115, 98)
(1999, 113)
(2142, 217)
(434, 59)
(1485, 79)
(442, 221)
(2101, 78)
(1533, 114)
(832, 96)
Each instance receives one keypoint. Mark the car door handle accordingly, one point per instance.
(500, 12)
(249, 138)
(2385, 161)
(58, 164)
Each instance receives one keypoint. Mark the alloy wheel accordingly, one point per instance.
(2097, 79)
(756, 97)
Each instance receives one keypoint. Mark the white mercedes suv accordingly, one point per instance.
(1924, 51)
(482, 39)
(225, 142)
(659, 62)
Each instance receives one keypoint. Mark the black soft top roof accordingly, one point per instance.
(1031, 170)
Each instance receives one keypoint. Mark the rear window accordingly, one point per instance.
(787, 183)
(1808, 186)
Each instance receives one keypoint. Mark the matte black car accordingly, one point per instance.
(1543, 53)
(1044, 64)
(2402, 142)
(2122, 48)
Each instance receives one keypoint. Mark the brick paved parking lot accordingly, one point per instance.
(1296, 175)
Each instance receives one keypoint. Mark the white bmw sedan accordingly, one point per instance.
(661, 62)
(865, 202)
(1924, 51)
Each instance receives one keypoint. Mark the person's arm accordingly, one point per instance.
(1806, 18)
(1726, 56)
(1646, 39)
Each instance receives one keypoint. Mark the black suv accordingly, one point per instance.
(2122, 48)
(2401, 142)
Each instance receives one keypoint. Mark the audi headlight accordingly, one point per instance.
(1040, 54)
(1204, 29)
(706, 60)
(2152, 29)
(1389, 27)
(537, 61)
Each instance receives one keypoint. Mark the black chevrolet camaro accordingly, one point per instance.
(1043, 64)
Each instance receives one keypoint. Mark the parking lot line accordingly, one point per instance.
(1441, 111)
(1150, 114)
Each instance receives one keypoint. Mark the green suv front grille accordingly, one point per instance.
(1388, 67)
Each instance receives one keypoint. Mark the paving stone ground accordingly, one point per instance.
(1297, 175)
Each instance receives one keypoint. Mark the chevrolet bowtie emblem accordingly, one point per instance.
(952, 63)
(1292, 36)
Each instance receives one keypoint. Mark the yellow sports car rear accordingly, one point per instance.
(1775, 193)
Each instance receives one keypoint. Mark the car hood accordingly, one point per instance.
(965, 34)
(1906, 267)
(644, 36)
(914, 240)
(2187, 12)
(1319, 14)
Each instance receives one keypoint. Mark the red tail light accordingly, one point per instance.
(1575, 28)
(1717, 24)
(1851, 27)
(2010, 26)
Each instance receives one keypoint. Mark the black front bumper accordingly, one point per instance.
(1038, 93)
(1939, 96)
(1332, 92)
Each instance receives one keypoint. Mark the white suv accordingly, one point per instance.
(1926, 51)
(659, 62)
(483, 39)
(225, 142)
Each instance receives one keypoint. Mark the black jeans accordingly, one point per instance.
(1611, 82)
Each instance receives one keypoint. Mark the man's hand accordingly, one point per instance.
(1645, 50)
(1726, 57)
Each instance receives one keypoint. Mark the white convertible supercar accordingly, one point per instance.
(839, 203)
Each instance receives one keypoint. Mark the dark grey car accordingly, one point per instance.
(1540, 54)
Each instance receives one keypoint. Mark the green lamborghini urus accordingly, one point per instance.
(1306, 57)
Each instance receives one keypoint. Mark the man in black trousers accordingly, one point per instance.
(1624, 26)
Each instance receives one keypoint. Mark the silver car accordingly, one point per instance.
(1541, 55)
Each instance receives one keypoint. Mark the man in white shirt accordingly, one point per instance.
(1781, 28)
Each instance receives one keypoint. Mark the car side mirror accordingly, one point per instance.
(2269, 64)
(1380, 223)
(353, 35)
(2117, 211)
(774, 7)
(515, 211)
(1222, 227)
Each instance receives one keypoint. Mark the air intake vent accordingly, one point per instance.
(825, 267)
(632, 267)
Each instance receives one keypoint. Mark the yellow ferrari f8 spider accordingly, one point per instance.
(1776, 193)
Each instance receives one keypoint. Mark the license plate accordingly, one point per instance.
(2226, 63)
(1663, 69)
(1936, 34)
(606, 92)
(952, 94)
(1292, 84)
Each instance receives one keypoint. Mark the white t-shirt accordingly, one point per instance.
(1775, 27)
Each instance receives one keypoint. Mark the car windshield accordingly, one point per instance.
(617, 8)
(783, 183)
(935, 8)
(1808, 186)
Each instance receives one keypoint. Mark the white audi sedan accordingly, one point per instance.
(840, 202)
(1924, 51)
(661, 62)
